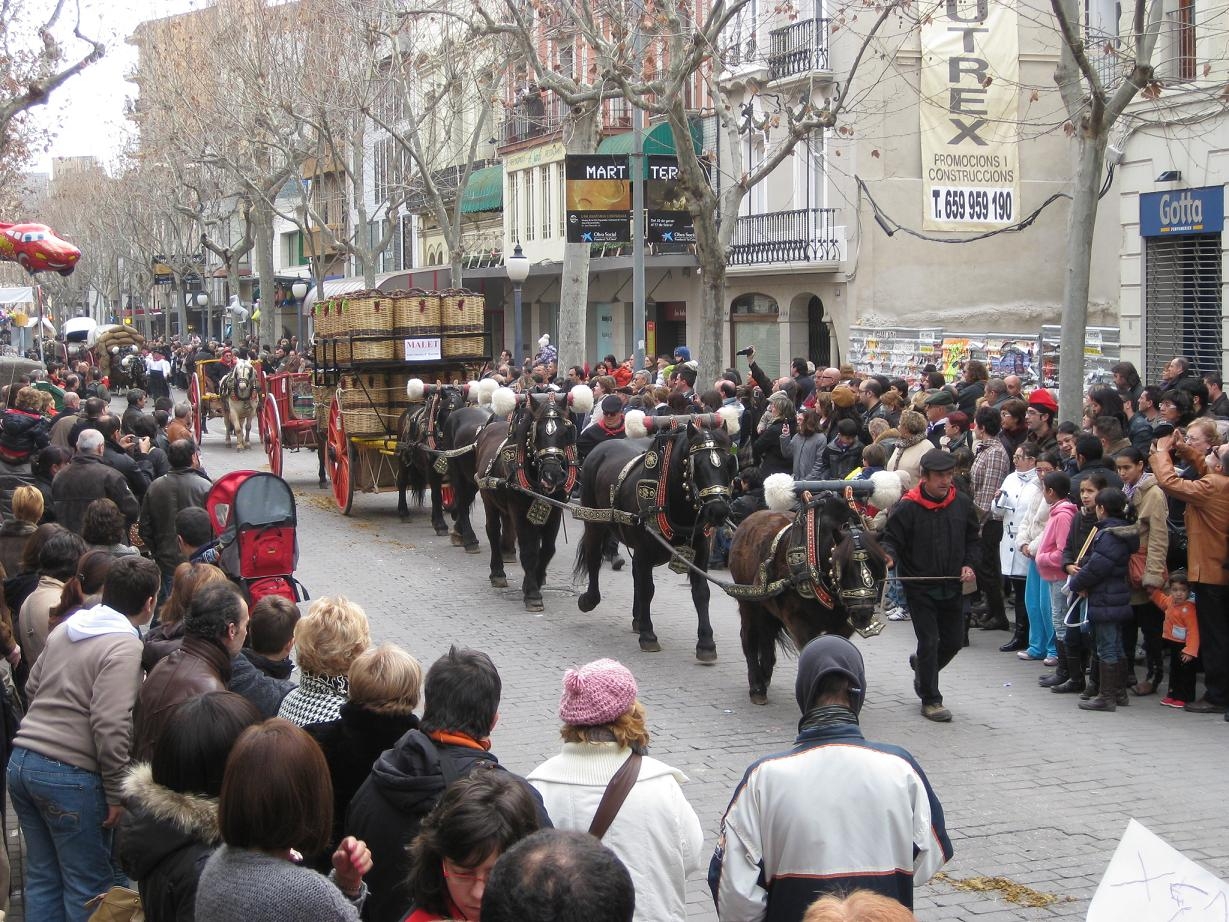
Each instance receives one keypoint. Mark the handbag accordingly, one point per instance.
(1136, 567)
(119, 904)
(616, 792)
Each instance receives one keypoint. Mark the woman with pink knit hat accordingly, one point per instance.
(602, 782)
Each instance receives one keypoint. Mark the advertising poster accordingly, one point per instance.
(893, 351)
(954, 353)
(598, 198)
(970, 85)
(669, 221)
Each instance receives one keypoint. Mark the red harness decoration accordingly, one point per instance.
(663, 487)
(821, 592)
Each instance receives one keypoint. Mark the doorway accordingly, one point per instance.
(819, 335)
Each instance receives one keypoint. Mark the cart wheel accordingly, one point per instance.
(194, 398)
(271, 434)
(340, 455)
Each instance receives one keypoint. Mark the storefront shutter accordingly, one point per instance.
(1182, 309)
(766, 337)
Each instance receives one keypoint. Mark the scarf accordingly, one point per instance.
(601, 424)
(823, 714)
(924, 500)
(1131, 489)
(456, 738)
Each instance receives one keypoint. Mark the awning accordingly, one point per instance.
(16, 295)
(484, 191)
(658, 141)
(388, 281)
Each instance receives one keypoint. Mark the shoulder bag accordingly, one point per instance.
(616, 792)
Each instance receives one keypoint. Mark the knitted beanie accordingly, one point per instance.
(844, 396)
(597, 693)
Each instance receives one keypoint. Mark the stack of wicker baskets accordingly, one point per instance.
(364, 403)
(370, 322)
(461, 311)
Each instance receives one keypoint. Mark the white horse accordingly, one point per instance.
(241, 391)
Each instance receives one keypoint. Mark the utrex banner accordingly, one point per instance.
(970, 101)
(669, 220)
(599, 198)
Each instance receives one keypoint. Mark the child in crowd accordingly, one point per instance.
(1181, 635)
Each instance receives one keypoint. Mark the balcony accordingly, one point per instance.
(533, 117)
(317, 242)
(806, 235)
(801, 48)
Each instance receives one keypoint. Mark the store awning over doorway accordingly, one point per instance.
(658, 141)
(484, 191)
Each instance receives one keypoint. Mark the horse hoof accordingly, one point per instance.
(441, 530)
(472, 549)
(706, 655)
(587, 602)
(457, 540)
(650, 646)
(534, 605)
(509, 556)
(759, 697)
(499, 582)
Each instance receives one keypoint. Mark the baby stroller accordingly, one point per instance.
(253, 517)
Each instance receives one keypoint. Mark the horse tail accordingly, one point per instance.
(590, 546)
(416, 476)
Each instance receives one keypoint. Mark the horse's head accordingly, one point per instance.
(709, 469)
(550, 447)
(448, 399)
(243, 379)
(859, 567)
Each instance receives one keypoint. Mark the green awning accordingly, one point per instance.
(658, 141)
(484, 191)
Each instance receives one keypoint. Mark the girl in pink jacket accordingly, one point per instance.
(1049, 556)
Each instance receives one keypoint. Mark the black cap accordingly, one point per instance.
(611, 404)
(937, 461)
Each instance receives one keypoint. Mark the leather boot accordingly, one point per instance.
(1075, 675)
(1092, 687)
(1121, 698)
(1061, 671)
(1019, 640)
(1111, 678)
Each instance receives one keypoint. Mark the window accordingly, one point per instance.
(809, 179)
(530, 225)
(740, 33)
(561, 211)
(753, 322)
(544, 183)
(1184, 21)
(514, 205)
(1183, 314)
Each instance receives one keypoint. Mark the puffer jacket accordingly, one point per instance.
(1053, 540)
(165, 838)
(1103, 572)
(196, 668)
(22, 434)
(1148, 501)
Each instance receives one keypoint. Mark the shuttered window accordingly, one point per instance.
(1182, 309)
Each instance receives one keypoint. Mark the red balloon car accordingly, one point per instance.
(37, 248)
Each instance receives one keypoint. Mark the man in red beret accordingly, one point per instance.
(1039, 420)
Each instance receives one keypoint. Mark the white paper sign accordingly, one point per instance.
(422, 348)
(1150, 881)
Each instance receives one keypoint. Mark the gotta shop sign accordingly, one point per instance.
(1182, 211)
(969, 105)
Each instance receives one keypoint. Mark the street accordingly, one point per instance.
(1036, 792)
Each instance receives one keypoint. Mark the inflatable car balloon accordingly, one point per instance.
(37, 248)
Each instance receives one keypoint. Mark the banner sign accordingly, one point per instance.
(1182, 211)
(669, 221)
(970, 85)
(599, 198)
(422, 348)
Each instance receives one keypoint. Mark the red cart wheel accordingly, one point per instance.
(340, 455)
(194, 398)
(271, 434)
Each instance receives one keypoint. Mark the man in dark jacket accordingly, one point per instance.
(136, 408)
(1089, 459)
(184, 486)
(844, 453)
(933, 532)
(608, 425)
(462, 705)
(261, 672)
(214, 631)
(85, 479)
(128, 455)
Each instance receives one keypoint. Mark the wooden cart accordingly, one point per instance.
(288, 416)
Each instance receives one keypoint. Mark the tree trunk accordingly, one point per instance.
(1080, 225)
(708, 349)
(574, 283)
(458, 263)
(262, 229)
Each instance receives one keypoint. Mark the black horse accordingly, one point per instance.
(678, 485)
(420, 439)
(461, 430)
(815, 571)
(534, 453)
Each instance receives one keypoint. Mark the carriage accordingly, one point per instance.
(369, 345)
(254, 519)
(206, 403)
(288, 416)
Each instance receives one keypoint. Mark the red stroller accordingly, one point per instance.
(253, 516)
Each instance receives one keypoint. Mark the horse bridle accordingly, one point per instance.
(248, 380)
(705, 496)
(565, 457)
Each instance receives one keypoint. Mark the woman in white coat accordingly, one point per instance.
(1013, 501)
(655, 832)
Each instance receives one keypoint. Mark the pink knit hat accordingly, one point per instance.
(597, 693)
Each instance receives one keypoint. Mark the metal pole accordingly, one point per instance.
(518, 341)
(639, 172)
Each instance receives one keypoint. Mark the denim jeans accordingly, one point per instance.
(1058, 607)
(68, 854)
(894, 597)
(1108, 638)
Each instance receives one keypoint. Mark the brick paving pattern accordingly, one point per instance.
(1034, 790)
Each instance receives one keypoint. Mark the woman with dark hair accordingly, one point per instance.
(105, 528)
(479, 818)
(276, 805)
(84, 589)
(805, 448)
(170, 825)
(973, 387)
(167, 636)
(1013, 432)
(1105, 401)
(57, 564)
(44, 466)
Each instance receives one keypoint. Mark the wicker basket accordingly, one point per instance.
(464, 346)
(371, 314)
(363, 392)
(363, 422)
(323, 397)
(462, 311)
(416, 313)
(373, 350)
(324, 318)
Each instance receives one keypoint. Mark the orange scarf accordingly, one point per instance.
(449, 738)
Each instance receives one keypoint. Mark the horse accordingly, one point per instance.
(421, 440)
(816, 570)
(461, 430)
(240, 391)
(678, 485)
(534, 454)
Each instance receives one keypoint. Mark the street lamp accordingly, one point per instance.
(202, 302)
(299, 290)
(518, 270)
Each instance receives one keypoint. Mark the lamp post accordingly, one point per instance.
(299, 290)
(518, 270)
(202, 302)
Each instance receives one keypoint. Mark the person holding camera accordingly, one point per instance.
(774, 426)
(128, 454)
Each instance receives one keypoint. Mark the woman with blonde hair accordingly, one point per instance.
(28, 506)
(327, 640)
(859, 906)
(385, 688)
(167, 636)
(655, 832)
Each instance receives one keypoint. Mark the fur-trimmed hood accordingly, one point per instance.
(194, 815)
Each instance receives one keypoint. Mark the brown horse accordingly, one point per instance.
(818, 571)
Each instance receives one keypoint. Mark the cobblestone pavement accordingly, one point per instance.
(1034, 790)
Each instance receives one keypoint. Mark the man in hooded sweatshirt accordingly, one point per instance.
(71, 754)
(462, 707)
(779, 849)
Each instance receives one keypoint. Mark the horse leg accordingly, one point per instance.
(753, 618)
(706, 649)
(463, 531)
(546, 550)
(528, 540)
(589, 558)
(403, 482)
(437, 503)
(320, 450)
(510, 538)
(499, 579)
(642, 601)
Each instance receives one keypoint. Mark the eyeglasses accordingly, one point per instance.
(466, 878)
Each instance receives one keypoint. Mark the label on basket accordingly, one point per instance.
(421, 347)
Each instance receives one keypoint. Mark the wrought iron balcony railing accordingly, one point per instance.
(803, 235)
(798, 49)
